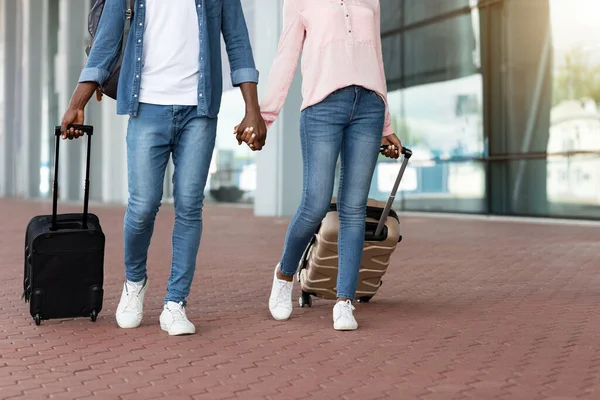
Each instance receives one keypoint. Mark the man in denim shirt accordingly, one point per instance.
(170, 85)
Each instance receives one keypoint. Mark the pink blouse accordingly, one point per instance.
(341, 45)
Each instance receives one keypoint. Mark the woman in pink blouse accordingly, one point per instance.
(345, 112)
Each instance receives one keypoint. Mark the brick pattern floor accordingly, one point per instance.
(468, 310)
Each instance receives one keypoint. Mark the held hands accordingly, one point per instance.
(252, 130)
(392, 146)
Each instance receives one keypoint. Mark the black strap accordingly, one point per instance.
(127, 28)
(372, 212)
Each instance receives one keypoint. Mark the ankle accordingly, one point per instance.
(342, 300)
(283, 277)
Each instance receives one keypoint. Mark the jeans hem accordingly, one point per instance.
(175, 300)
(136, 280)
(285, 273)
(345, 296)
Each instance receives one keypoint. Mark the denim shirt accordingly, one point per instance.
(214, 17)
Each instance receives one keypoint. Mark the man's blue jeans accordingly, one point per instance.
(152, 136)
(349, 121)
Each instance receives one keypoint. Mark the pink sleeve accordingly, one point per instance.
(285, 63)
(387, 125)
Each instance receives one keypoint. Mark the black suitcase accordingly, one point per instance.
(64, 257)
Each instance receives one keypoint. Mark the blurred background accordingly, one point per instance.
(498, 99)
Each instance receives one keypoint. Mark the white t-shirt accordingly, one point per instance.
(170, 63)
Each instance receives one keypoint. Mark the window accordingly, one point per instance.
(435, 94)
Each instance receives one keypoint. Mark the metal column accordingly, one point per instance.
(29, 126)
(69, 63)
(8, 34)
(279, 164)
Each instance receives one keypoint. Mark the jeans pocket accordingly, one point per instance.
(377, 97)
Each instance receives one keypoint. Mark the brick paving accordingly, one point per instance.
(468, 310)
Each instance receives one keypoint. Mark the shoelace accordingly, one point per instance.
(132, 297)
(178, 312)
(283, 293)
(346, 309)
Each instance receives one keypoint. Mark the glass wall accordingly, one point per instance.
(573, 181)
(435, 95)
(500, 102)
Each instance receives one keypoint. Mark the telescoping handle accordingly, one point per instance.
(89, 131)
(407, 154)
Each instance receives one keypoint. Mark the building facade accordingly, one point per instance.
(498, 99)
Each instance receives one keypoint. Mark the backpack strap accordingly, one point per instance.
(127, 28)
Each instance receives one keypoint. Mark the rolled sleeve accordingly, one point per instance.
(244, 75)
(97, 75)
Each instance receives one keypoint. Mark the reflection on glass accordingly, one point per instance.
(232, 175)
(438, 109)
(575, 116)
(439, 122)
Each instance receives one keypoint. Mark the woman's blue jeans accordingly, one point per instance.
(348, 122)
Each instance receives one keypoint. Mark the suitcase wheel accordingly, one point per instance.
(365, 299)
(305, 300)
(38, 319)
(93, 315)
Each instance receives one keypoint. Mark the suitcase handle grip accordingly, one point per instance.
(89, 131)
(406, 152)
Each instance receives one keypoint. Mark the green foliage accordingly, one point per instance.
(577, 78)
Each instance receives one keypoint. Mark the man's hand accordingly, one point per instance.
(252, 130)
(394, 147)
(73, 116)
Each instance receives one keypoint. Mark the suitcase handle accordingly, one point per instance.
(89, 131)
(407, 153)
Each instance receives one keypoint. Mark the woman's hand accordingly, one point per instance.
(394, 146)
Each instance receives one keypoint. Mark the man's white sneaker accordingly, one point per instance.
(343, 319)
(174, 321)
(131, 307)
(280, 302)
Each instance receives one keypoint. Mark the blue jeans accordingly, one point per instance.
(152, 136)
(349, 121)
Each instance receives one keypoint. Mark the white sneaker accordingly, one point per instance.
(343, 320)
(174, 321)
(131, 307)
(280, 302)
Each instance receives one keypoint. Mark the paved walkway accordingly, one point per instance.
(469, 310)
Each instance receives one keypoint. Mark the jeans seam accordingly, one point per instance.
(303, 144)
(175, 169)
(340, 202)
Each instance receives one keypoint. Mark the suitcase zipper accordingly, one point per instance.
(57, 253)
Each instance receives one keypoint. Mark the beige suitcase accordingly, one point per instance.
(317, 272)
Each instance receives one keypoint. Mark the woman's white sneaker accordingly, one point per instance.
(174, 321)
(131, 307)
(343, 318)
(280, 302)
